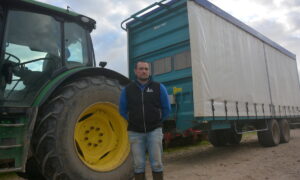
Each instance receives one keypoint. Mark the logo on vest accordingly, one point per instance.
(149, 90)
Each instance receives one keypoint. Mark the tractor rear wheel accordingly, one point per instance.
(79, 133)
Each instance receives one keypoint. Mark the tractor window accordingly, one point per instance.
(32, 46)
(75, 45)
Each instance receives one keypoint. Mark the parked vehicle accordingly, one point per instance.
(59, 114)
(224, 77)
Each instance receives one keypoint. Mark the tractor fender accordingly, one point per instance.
(72, 74)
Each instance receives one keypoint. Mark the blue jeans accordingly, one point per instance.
(150, 142)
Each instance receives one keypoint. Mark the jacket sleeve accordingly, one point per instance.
(123, 104)
(165, 103)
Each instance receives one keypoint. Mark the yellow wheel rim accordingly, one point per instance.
(100, 137)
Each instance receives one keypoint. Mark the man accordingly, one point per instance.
(145, 103)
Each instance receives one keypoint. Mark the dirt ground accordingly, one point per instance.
(246, 161)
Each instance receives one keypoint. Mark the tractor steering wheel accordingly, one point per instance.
(11, 55)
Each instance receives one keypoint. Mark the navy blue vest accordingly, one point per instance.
(144, 107)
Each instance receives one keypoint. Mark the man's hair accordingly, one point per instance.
(135, 66)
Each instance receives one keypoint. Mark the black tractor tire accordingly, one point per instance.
(217, 138)
(284, 131)
(31, 171)
(233, 137)
(270, 137)
(53, 137)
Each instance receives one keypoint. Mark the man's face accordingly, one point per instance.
(142, 71)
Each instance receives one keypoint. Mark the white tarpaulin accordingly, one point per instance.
(283, 77)
(229, 66)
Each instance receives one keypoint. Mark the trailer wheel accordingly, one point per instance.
(233, 137)
(80, 135)
(217, 137)
(284, 131)
(270, 137)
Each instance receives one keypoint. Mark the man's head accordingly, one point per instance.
(142, 71)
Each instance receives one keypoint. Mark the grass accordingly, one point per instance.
(249, 134)
(7, 176)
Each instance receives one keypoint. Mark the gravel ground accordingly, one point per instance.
(247, 161)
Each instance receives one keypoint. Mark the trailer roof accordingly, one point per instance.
(221, 13)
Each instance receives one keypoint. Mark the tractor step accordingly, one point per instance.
(14, 126)
(11, 125)
(6, 170)
(11, 146)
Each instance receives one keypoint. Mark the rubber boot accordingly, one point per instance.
(157, 175)
(139, 176)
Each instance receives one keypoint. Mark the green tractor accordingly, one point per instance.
(58, 113)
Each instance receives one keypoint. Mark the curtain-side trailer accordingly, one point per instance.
(222, 75)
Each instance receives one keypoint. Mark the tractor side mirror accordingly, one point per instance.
(102, 64)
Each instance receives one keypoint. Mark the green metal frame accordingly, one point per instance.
(16, 127)
(15, 132)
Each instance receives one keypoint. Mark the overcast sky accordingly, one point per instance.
(279, 20)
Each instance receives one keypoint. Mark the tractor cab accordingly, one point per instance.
(37, 44)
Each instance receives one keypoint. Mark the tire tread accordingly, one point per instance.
(49, 116)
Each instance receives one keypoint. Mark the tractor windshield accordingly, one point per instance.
(32, 53)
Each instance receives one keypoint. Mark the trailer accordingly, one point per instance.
(223, 76)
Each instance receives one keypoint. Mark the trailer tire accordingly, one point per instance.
(217, 137)
(233, 137)
(270, 137)
(284, 131)
(62, 146)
